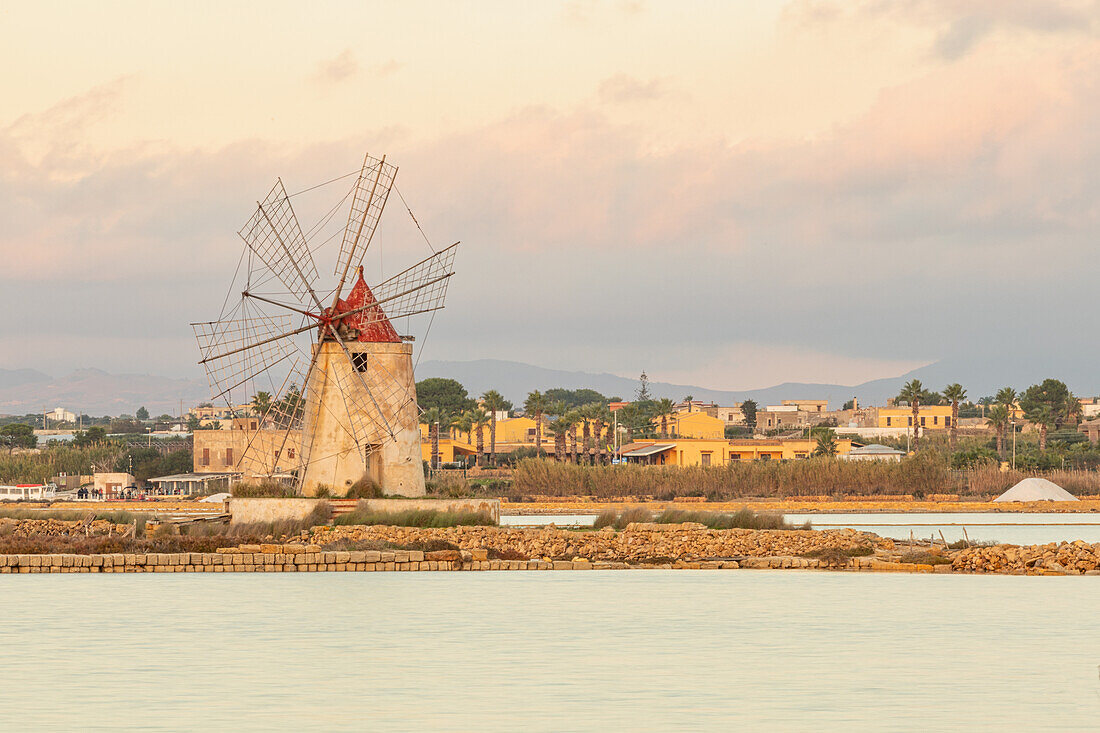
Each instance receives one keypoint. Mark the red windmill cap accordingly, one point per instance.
(371, 322)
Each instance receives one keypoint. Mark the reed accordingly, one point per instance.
(922, 473)
(414, 518)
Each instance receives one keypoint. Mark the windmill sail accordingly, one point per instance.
(273, 234)
(372, 190)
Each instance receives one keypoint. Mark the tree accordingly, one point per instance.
(193, 423)
(826, 444)
(478, 419)
(748, 410)
(912, 392)
(954, 393)
(91, 436)
(999, 420)
(535, 404)
(849, 405)
(17, 435)
(142, 413)
(574, 397)
(664, 408)
(494, 402)
(559, 427)
(599, 416)
(261, 403)
(1046, 405)
(436, 420)
(446, 394)
(643, 394)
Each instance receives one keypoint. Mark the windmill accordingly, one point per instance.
(326, 378)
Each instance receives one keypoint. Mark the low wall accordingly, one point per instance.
(488, 506)
(248, 510)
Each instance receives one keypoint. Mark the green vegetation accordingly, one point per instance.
(17, 435)
(445, 395)
(574, 397)
(839, 555)
(415, 518)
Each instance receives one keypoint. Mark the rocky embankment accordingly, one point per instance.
(637, 543)
(1065, 558)
(50, 527)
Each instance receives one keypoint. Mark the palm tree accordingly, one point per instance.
(535, 405)
(600, 416)
(494, 402)
(261, 403)
(435, 418)
(826, 444)
(998, 420)
(559, 428)
(478, 420)
(954, 393)
(574, 417)
(1006, 396)
(664, 408)
(912, 392)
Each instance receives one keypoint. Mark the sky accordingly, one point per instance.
(725, 194)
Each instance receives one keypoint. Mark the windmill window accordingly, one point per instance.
(229, 456)
(359, 361)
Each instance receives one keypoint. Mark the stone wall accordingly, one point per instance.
(247, 510)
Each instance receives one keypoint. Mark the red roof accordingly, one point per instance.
(371, 322)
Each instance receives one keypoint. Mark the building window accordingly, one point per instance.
(910, 421)
(705, 459)
(290, 453)
(922, 421)
(229, 456)
(206, 456)
(935, 419)
(252, 425)
(735, 456)
(888, 421)
(360, 361)
(947, 422)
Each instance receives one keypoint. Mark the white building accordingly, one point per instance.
(60, 414)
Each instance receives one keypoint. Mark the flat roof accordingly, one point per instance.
(649, 450)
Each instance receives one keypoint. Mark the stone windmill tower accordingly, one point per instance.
(331, 386)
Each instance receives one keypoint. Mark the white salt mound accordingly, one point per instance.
(1036, 489)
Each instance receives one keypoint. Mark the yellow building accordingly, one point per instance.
(703, 452)
(693, 425)
(450, 450)
(931, 417)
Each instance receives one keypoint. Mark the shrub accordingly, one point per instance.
(926, 558)
(365, 488)
(414, 518)
(265, 489)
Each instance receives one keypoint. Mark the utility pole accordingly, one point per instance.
(1013, 445)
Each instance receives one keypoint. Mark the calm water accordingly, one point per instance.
(1016, 528)
(599, 650)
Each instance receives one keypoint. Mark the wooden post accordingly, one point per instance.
(966, 536)
(944, 540)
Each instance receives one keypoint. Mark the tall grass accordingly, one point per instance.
(991, 480)
(265, 489)
(54, 460)
(922, 473)
(741, 519)
(414, 518)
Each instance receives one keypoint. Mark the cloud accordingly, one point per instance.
(625, 89)
(340, 68)
(956, 28)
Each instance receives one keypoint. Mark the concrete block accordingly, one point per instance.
(387, 557)
(372, 556)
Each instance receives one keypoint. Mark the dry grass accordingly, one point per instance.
(266, 489)
(414, 518)
(741, 519)
(922, 473)
(991, 480)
